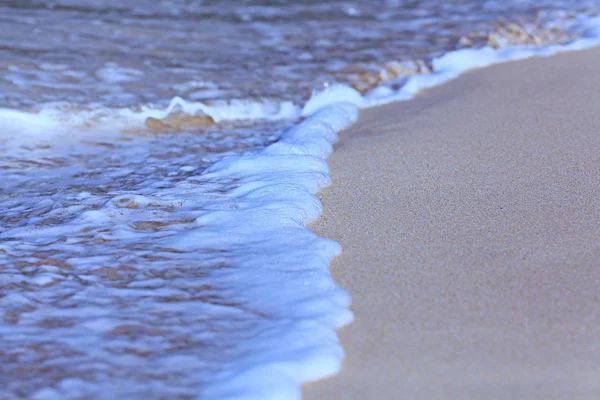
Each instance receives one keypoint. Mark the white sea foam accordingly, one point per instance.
(322, 109)
(453, 64)
(276, 187)
(231, 110)
(57, 116)
(265, 308)
(276, 278)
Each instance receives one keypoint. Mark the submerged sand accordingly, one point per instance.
(470, 223)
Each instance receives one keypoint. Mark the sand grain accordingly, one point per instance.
(470, 223)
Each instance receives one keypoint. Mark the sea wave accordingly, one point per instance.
(153, 266)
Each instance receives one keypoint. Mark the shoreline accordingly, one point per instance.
(445, 207)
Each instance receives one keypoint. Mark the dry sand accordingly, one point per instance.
(470, 223)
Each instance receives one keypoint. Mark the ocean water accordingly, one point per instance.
(158, 166)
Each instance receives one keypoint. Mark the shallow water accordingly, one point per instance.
(152, 251)
(95, 52)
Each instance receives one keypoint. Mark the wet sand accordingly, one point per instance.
(470, 223)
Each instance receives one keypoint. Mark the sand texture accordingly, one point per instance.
(470, 223)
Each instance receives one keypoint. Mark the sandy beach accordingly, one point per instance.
(470, 224)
